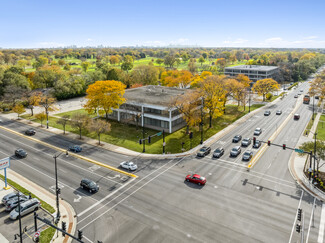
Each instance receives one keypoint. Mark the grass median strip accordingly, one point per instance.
(72, 154)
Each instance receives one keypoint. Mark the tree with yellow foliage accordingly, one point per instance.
(175, 78)
(198, 78)
(243, 79)
(104, 96)
(213, 92)
(264, 86)
(33, 100)
(19, 109)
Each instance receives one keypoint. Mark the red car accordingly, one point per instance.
(195, 178)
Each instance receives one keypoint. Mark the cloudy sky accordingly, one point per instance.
(218, 23)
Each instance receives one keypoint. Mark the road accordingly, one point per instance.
(236, 204)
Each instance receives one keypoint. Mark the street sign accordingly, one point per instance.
(36, 235)
(159, 133)
(299, 151)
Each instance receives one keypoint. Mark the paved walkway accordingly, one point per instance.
(66, 210)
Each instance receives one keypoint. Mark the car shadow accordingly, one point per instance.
(193, 185)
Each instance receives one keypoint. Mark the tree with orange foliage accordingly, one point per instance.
(34, 100)
(175, 78)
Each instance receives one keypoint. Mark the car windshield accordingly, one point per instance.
(202, 149)
(234, 149)
(247, 153)
(92, 184)
(217, 150)
(245, 140)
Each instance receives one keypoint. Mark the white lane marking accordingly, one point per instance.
(103, 199)
(77, 199)
(262, 175)
(230, 162)
(87, 239)
(321, 225)
(294, 222)
(311, 218)
(127, 195)
(66, 162)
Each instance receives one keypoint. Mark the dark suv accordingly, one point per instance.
(20, 153)
(236, 139)
(89, 185)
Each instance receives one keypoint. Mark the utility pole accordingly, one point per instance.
(313, 106)
(249, 101)
(164, 144)
(143, 139)
(19, 217)
(315, 154)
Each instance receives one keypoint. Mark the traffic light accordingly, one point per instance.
(269, 143)
(298, 228)
(284, 146)
(299, 214)
(59, 191)
(80, 234)
(191, 135)
(254, 140)
(64, 228)
(140, 141)
(149, 139)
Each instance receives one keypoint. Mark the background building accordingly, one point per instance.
(150, 106)
(253, 72)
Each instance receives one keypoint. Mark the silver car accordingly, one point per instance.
(11, 196)
(25, 208)
(13, 203)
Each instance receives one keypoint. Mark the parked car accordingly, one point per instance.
(20, 153)
(246, 142)
(301, 90)
(195, 178)
(257, 144)
(247, 155)
(296, 96)
(299, 93)
(218, 152)
(258, 131)
(296, 117)
(267, 113)
(204, 151)
(278, 112)
(235, 151)
(89, 185)
(75, 148)
(30, 132)
(10, 196)
(11, 204)
(316, 97)
(237, 138)
(129, 165)
(25, 208)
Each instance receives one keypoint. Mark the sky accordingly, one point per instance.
(204, 23)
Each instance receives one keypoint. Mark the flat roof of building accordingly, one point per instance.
(253, 67)
(153, 94)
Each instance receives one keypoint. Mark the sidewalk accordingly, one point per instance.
(297, 165)
(66, 210)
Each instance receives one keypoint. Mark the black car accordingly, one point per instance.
(278, 112)
(218, 152)
(204, 151)
(257, 144)
(89, 185)
(267, 113)
(30, 132)
(237, 138)
(20, 153)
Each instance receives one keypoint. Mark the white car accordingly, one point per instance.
(129, 165)
(257, 131)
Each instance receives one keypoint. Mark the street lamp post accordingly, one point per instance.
(57, 190)
(201, 124)
(313, 107)
(19, 217)
(249, 101)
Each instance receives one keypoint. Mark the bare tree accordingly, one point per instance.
(80, 121)
(64, 121)
(99, 127)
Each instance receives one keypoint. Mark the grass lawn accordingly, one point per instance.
(321, 128)
(47, 235)
(128, 136)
